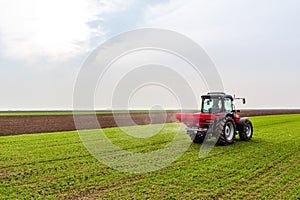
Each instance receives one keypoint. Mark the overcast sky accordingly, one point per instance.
(254, 44)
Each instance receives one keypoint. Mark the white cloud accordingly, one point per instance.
(55, 30)
(254, 44)
(221, 21)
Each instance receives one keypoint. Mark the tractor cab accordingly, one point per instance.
(214, 103)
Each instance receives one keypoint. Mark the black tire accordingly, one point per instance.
(225, 131)
(245, 129)
(198, 139)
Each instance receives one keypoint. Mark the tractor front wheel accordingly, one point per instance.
(245, 129)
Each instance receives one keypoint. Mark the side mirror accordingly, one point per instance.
(244, 101)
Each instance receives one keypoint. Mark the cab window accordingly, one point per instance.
(212, 105)
(228, 105)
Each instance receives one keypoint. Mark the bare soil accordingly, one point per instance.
(14, 125)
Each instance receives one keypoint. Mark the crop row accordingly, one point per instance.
(58, 165)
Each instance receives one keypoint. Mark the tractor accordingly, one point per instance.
(218, 118)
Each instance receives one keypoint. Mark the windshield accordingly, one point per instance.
(211, 105)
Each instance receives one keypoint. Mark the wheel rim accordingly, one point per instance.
(229, 131)
(248, 131)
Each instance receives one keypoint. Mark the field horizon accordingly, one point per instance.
(108, 111)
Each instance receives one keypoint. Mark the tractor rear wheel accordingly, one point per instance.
(225, 131)
(245, 129)
(198, 138)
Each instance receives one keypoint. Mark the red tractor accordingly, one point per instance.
(217, 118)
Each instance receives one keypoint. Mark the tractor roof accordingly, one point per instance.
(217, 94)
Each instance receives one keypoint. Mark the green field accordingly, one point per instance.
(57, 165)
